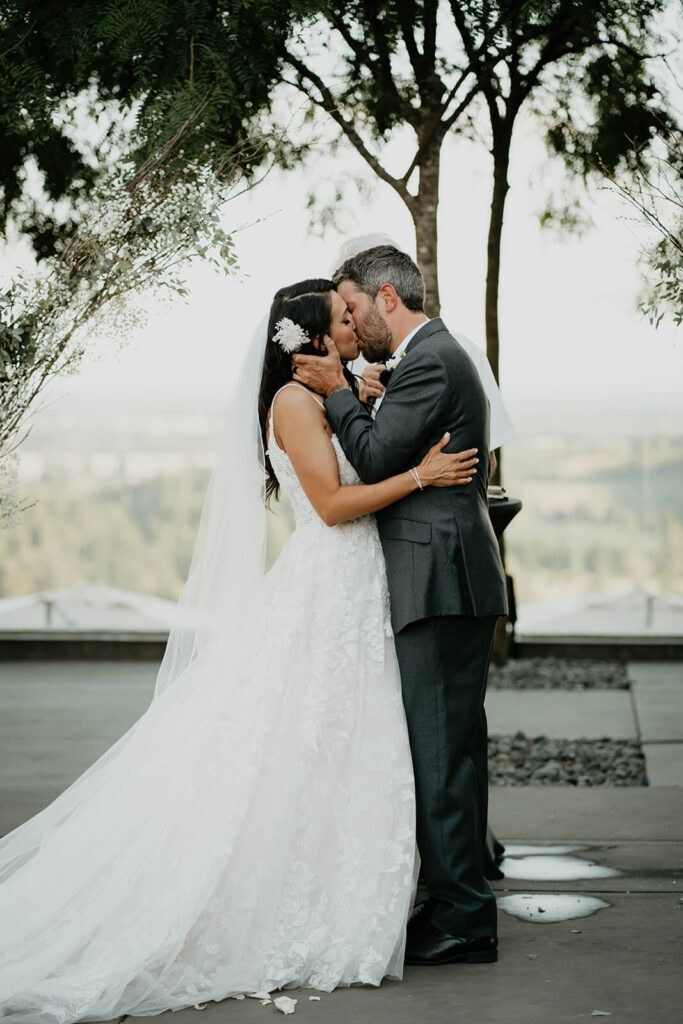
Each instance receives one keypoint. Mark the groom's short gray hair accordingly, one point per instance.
(385, 264)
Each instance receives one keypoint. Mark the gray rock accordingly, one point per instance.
(558, 674)
(536, 761)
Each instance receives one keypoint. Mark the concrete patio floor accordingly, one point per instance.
(623, 961)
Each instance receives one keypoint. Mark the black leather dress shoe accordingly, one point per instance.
(432, 946)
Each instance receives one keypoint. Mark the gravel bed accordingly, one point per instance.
(558, 674)
(522, 761)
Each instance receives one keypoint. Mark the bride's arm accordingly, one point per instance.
(301, 432)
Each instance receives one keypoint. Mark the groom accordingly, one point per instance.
(446, 581)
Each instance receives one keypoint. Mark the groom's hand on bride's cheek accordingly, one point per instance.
(322, 373)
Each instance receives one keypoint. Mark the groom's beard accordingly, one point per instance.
(374, 337)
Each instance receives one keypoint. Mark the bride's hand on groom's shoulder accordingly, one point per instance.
(440, 469)
(322, 373)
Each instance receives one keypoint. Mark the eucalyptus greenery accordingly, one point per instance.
(139, 229)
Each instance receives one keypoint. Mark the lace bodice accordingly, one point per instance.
(304, 512)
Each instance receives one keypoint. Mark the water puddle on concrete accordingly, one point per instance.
(551, 864)
(549, 908)
(551, 851)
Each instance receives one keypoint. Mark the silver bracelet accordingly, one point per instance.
(416, 477)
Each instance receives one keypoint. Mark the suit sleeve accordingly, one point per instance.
(413, 406)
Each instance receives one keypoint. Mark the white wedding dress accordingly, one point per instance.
(256, 829)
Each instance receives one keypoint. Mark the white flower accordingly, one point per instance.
(391, 364)
(289, 336)
(10, 504)
(285, 1004)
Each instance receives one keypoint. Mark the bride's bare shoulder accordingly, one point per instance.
(297, 414)
(297, 403)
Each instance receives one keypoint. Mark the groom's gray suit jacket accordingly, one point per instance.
(441, 553)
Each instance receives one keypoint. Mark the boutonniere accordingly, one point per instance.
(389, 368)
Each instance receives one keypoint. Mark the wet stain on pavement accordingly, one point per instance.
(552, 864)
(549, 908)
(514, 850)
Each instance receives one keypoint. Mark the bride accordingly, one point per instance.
(255, 828)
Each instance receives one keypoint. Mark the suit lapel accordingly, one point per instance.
(426, 331)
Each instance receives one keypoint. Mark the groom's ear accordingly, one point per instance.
(389, 297)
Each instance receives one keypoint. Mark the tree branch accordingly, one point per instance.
(483, 83)
(329, 104)
(445, 126)
(383, 50)
(555, 49)
(380, 70)
(632, 51)
(407, 20)
(464, 103)
(430, 34)
(25, 36)
(483, 73)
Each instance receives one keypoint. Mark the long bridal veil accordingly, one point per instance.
(226, 571)
(229, 556)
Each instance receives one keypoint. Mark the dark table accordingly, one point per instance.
(502, 511)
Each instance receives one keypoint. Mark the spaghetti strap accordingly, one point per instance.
(271, 421)
(293, 384)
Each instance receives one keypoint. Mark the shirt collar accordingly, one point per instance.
(406, 341)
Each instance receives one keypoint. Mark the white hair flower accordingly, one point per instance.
(289, 336)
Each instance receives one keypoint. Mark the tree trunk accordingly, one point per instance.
(424, 210)
(501, 162)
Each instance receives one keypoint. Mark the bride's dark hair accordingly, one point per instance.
(309, 304)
